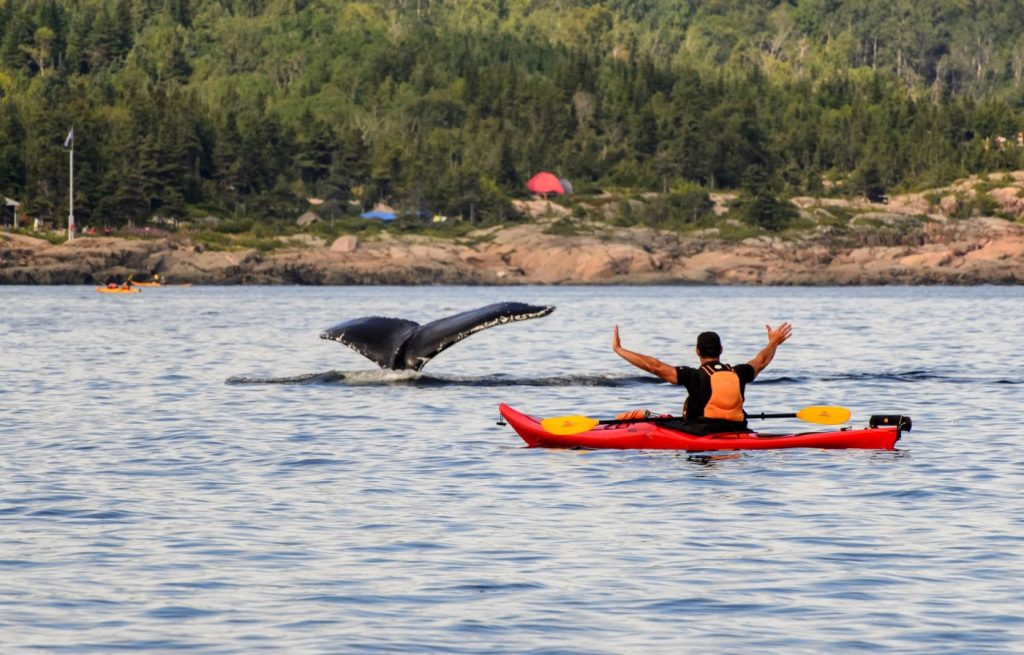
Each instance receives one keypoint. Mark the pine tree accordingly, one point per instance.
(17, 39)
(761, 205)
(508, 176)
(12, 146)
(178, 11)
(315, 150)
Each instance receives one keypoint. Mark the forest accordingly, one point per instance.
(245, 109)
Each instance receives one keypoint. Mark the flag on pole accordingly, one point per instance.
(68, 142)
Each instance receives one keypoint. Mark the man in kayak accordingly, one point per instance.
(714, 401)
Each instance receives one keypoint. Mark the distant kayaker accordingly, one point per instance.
(714, 401)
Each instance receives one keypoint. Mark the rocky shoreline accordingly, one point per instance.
(899, 243)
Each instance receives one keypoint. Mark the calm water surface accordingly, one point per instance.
(193, 469)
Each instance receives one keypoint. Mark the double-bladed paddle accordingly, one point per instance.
(821, 414)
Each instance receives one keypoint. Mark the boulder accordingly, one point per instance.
(307, 219)
(1010, 201)
(345, 244)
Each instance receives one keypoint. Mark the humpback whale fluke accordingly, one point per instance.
(397, 343)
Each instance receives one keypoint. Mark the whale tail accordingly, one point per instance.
(397, 343)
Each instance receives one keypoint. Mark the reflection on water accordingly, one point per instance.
(148, 506)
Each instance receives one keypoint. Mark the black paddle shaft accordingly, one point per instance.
(762, 416)
(662, 419)
(649, 419)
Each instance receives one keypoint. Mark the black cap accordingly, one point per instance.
(708, 344)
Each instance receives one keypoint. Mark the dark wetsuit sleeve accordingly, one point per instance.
(745, 372)
(685, 376)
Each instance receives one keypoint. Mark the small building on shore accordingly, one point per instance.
(9, 212)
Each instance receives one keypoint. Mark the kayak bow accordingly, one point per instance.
(881, 434)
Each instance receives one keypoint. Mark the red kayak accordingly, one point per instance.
(882, 434)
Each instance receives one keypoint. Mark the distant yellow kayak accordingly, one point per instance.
(118, 290)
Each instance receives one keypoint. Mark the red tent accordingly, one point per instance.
(544, 182)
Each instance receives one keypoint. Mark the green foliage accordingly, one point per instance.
(216, 240)
(760, 204)
(680, 209)
(56, 238)
(246, 108)
(449, 229)
(768, 212)
(733, 230)
(564, 227)
(964, 207)
(263, 244)
(986, 205)
(867, 181)
(236, 226)
(213, 240)
(834, 217)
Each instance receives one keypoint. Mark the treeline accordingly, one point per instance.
(249, 107)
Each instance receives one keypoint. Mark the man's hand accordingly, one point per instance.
(776, 336)
(646, 362)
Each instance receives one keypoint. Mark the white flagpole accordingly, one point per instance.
(71, 193)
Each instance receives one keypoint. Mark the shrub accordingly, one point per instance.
(263, 244)
(235, 225)
(562, 227)
(767, 211)
(684, 206)
(986, 205)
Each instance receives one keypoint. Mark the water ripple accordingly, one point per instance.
(148, 506)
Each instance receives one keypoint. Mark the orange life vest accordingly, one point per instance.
(726, 400)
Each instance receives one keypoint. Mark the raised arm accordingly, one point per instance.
(776, 337)
(646, 362)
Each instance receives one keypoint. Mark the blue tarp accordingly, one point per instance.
(384, 216)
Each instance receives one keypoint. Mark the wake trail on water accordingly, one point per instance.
(419, 379)
(914, 375)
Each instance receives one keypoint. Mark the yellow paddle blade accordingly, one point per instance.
(568, 424)
(824, 414)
